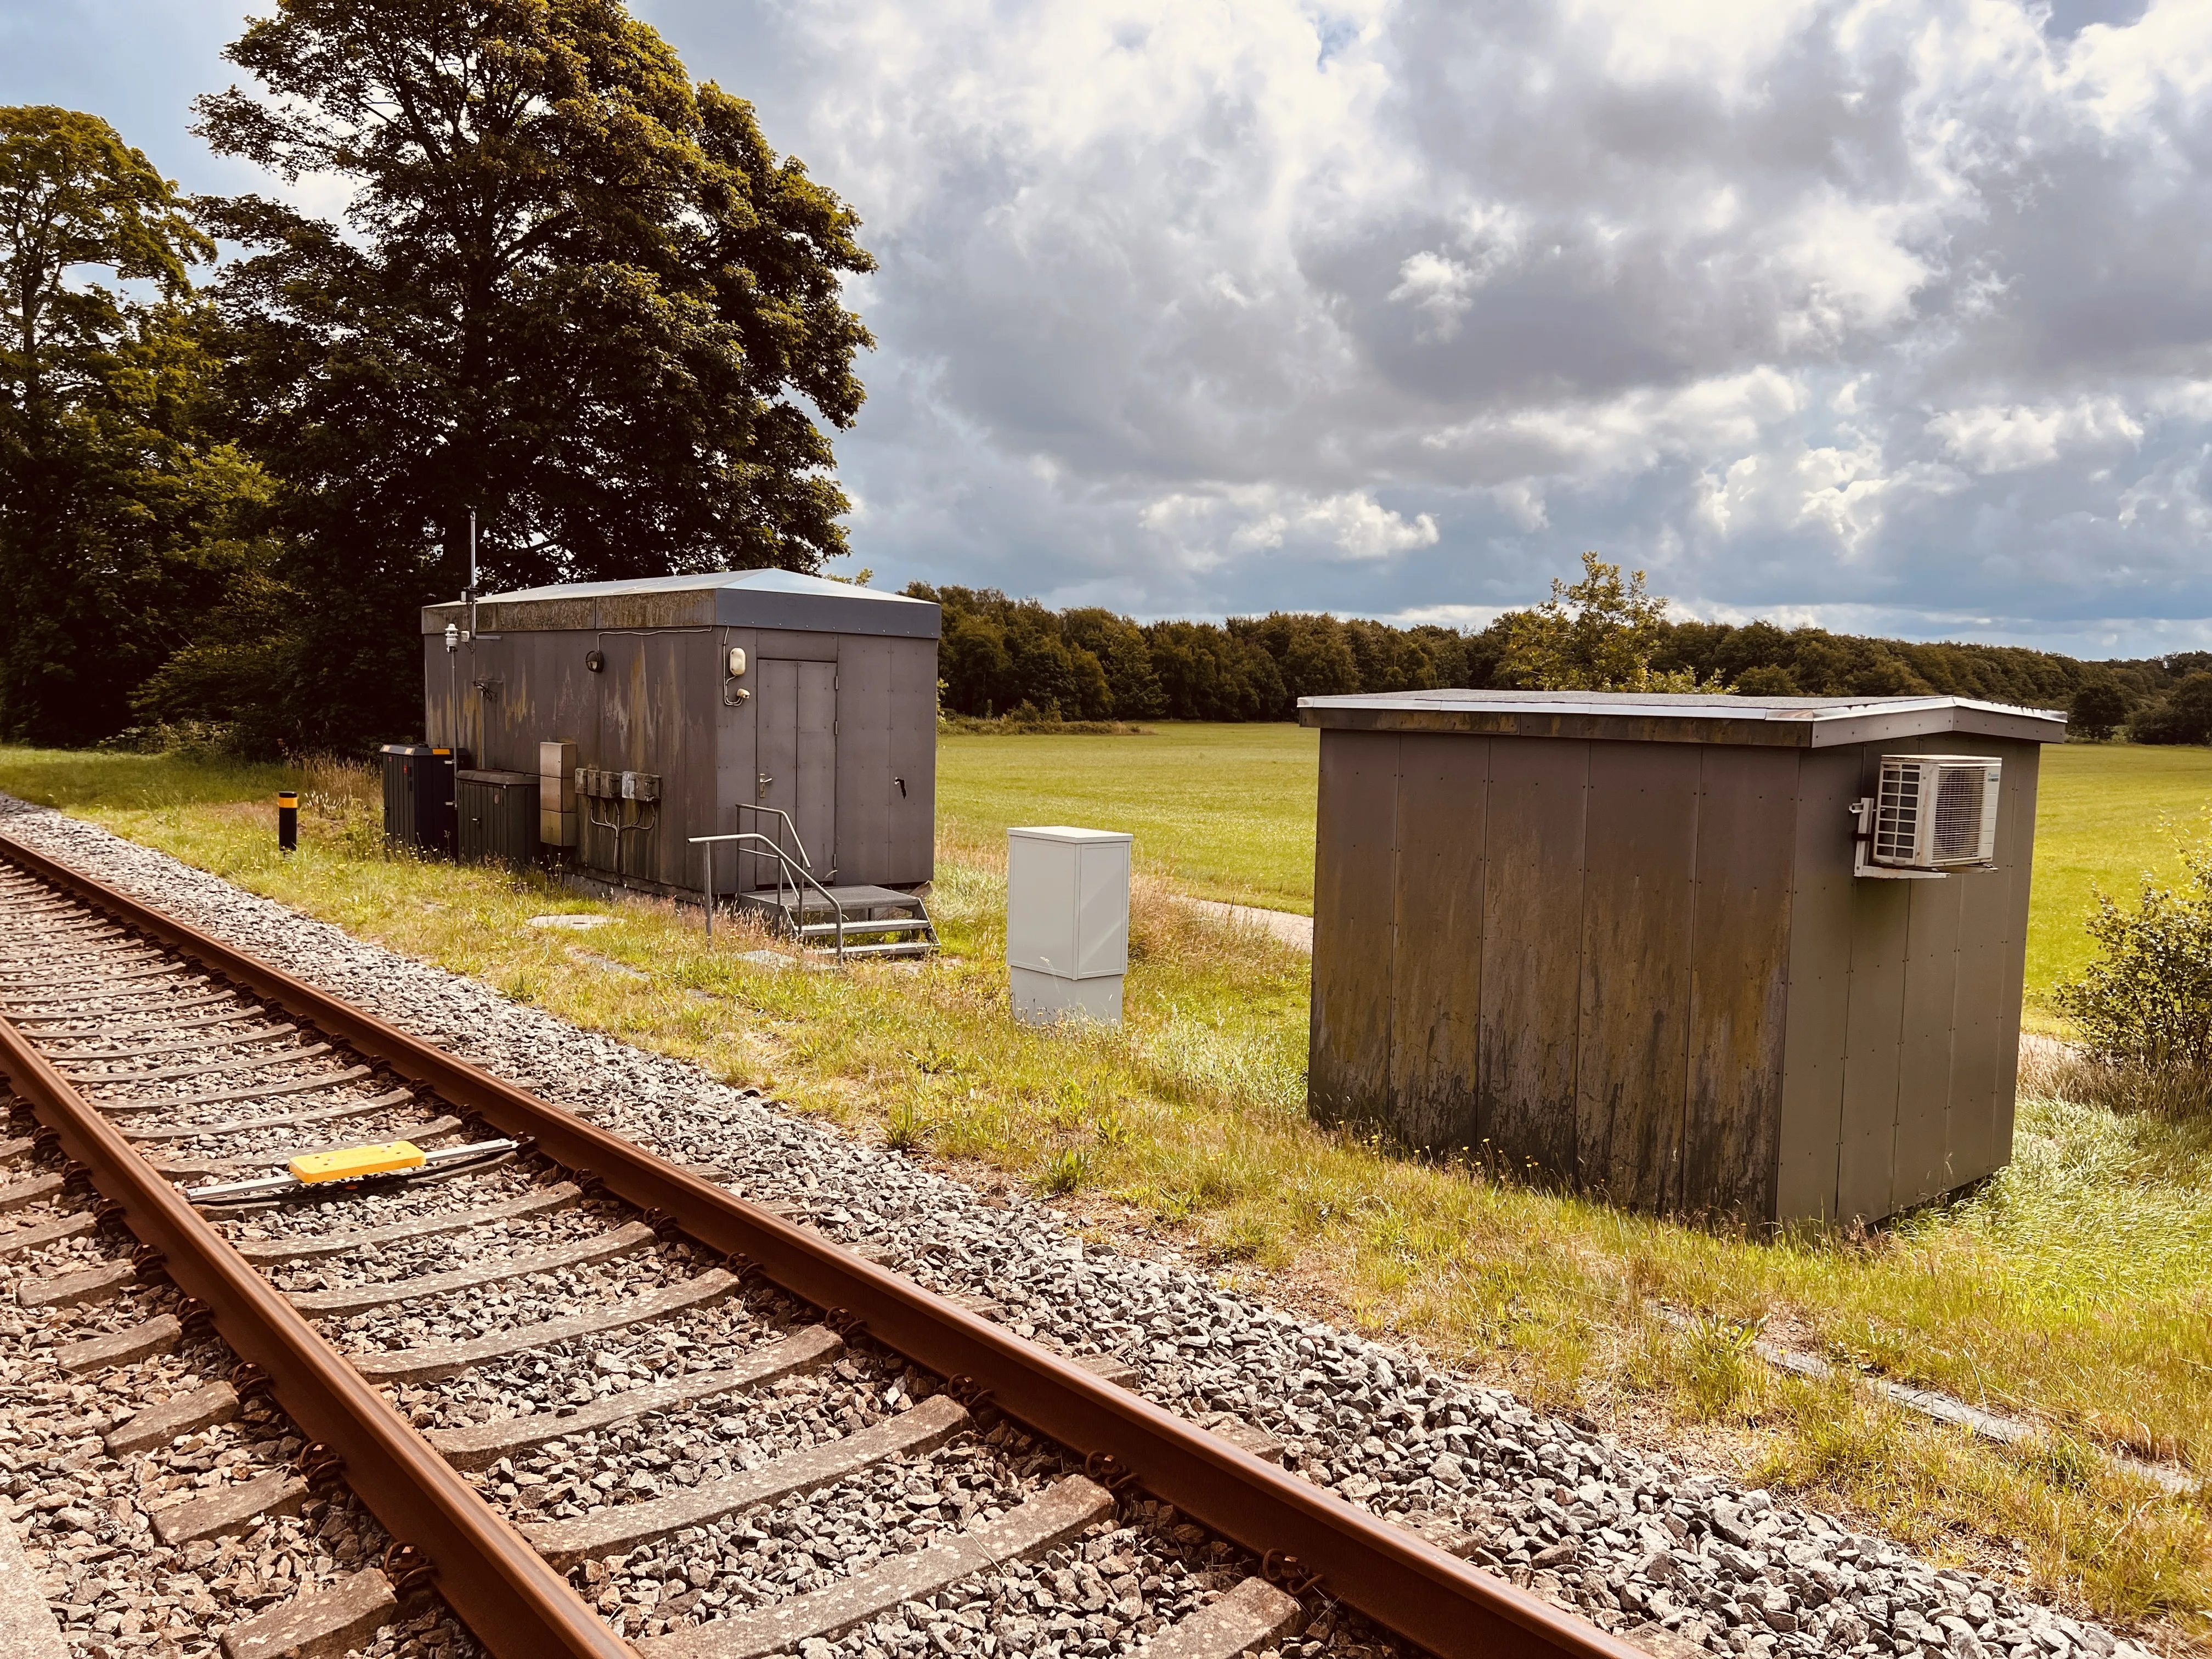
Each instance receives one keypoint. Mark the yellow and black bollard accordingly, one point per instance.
(288, 821)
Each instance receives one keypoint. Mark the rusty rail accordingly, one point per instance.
(1404, 1584)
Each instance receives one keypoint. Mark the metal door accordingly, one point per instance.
(797, 738)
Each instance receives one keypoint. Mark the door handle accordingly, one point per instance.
(762, 780)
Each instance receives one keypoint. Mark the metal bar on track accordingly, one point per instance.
(1387, 1573)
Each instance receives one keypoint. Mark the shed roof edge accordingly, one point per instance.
(1796, 723)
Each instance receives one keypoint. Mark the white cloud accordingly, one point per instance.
(1891, 304)
(1353, 526)
(1989, 439)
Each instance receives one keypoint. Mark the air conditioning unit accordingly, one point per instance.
(1931, 814)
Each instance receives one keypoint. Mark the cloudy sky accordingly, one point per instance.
(1896, 318)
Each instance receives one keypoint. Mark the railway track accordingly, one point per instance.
(548, 1364)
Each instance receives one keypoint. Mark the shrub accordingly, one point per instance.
(2147, 1002)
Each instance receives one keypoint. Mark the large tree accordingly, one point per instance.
(572, 291)
(120, 519)
(1598, 636)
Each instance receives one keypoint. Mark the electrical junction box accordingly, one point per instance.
(1067, 922)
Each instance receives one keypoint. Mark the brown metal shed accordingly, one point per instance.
(1618, 939)
(833, 719)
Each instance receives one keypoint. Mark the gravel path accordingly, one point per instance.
(1621, 1534)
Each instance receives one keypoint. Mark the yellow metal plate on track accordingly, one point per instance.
(349, 1162)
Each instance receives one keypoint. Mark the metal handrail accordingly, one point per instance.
(784, 823)
(804, 857)
(783, 859)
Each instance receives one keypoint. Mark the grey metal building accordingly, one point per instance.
(1636, 942)
(680, 699)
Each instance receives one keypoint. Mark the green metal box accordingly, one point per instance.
(497, 814)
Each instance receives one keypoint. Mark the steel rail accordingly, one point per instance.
(519, 1606)
(1304, 1534)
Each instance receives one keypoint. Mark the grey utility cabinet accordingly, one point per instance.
(675, 704)
(1619, 940)
(1067, 922)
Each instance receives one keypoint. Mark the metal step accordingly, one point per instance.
(858, 897)
(807, 916)
(887, 925)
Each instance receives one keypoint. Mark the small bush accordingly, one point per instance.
(215, 740)
(2147, 1002)
(1029, 721)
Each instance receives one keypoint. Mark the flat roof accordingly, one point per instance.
(1697, 717)
(730, 599)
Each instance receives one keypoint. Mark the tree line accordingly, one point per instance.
(577, 302)
(1000, 656)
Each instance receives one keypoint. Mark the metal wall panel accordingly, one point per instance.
(1873, 1029)
(789, 647)
(865, 793)
(1928, 1015)
(2016, 854)
(1816, 1025)
(621, 744)
(1531, 949)
(1632, 1034)
(1742, 919)
(1985, 1036)
(1355, 928)
(909, 843)
(1437, 991)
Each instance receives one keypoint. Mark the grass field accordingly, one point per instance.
(2101, 820)
(1227, 811)
(1224, 811)
(2071, 1288)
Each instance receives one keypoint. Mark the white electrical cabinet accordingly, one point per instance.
(1067, 922)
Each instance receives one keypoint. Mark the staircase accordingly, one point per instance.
(843, 923)
(846, 921)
